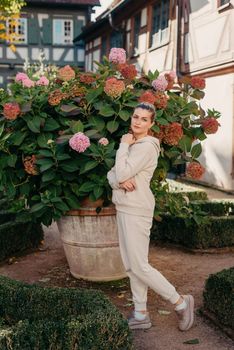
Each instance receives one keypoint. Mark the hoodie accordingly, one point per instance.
(138, 160)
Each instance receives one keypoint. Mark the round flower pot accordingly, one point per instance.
(90, 241)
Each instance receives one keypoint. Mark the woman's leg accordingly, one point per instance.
(139, 289)
(136, 231)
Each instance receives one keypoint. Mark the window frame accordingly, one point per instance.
(63, 20)
(135, 46)
(160, 41)
(24, 35)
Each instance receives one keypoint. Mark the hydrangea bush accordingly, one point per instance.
(59, 132)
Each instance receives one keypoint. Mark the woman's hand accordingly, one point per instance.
(128, 138)
(128, 185)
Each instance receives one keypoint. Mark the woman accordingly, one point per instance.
(136, 160)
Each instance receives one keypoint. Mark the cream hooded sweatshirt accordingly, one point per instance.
(138, 160)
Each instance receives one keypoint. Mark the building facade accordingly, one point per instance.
(192, 37)
(50, 26)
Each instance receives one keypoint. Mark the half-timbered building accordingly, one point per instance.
(48, 25)
(192, 37)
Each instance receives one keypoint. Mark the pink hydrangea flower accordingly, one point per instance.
(103, 141)
(117, 55)
(160, 83)
(79, 142)
(43, 81)
(21, 77)
(28, 83)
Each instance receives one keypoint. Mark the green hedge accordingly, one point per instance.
(217, 232)
(15, 237)
(215, 208)
(219, 296)
(59, 318)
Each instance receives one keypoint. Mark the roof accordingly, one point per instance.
(115, 6)
(65, 2)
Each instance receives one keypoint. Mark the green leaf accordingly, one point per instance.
(43, 139)
(36, 207)
(11, 160)
(46, 167)
(48, 175)
(86, 187)
(70, 108)
(77, 126)
(191, 341)
(124, 114)
(98, 191)
(2, 129)
(51, 125)
(97, 122)
(62, 206)
(112, 126)
(162, 121)
(63, 156)
(132, 104)
(88, 166)
(93, 94)
(109, 162)
(34, 124)
(70, 166)
(91, 132)
(45, 153)
(196, 150)
(185, 143)
(44, 161)
(107, 111)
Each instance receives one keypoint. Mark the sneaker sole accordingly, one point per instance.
(141, 326)
(191, 308)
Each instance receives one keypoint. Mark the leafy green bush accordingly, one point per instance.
(17, 234)
(59, 318)
(214, 232)
(59, 132)
(215, 208)
(219, 296)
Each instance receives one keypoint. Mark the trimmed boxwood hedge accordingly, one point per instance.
(217, 232)
(58, 318)
(16, 236)
(215, 208)
(218, 296)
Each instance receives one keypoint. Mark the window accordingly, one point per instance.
(62, 31)
(137, 28)
(223, 2)
(116, 39)
(17, 30)
(160, 23)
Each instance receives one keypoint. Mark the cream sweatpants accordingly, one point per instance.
(134, 232)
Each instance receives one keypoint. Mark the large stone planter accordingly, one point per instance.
(90, 241)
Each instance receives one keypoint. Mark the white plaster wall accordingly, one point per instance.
(218, 148)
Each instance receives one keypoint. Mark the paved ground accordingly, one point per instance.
(185, 270)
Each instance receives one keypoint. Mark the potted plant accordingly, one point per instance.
(60, 129)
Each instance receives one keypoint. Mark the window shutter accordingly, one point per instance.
(78, 24)
(47, 31)
(33, 31)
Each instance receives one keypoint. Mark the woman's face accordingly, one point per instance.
(141, 122)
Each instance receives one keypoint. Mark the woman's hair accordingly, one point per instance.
(148, 107)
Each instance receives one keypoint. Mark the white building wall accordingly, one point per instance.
(217, 156)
